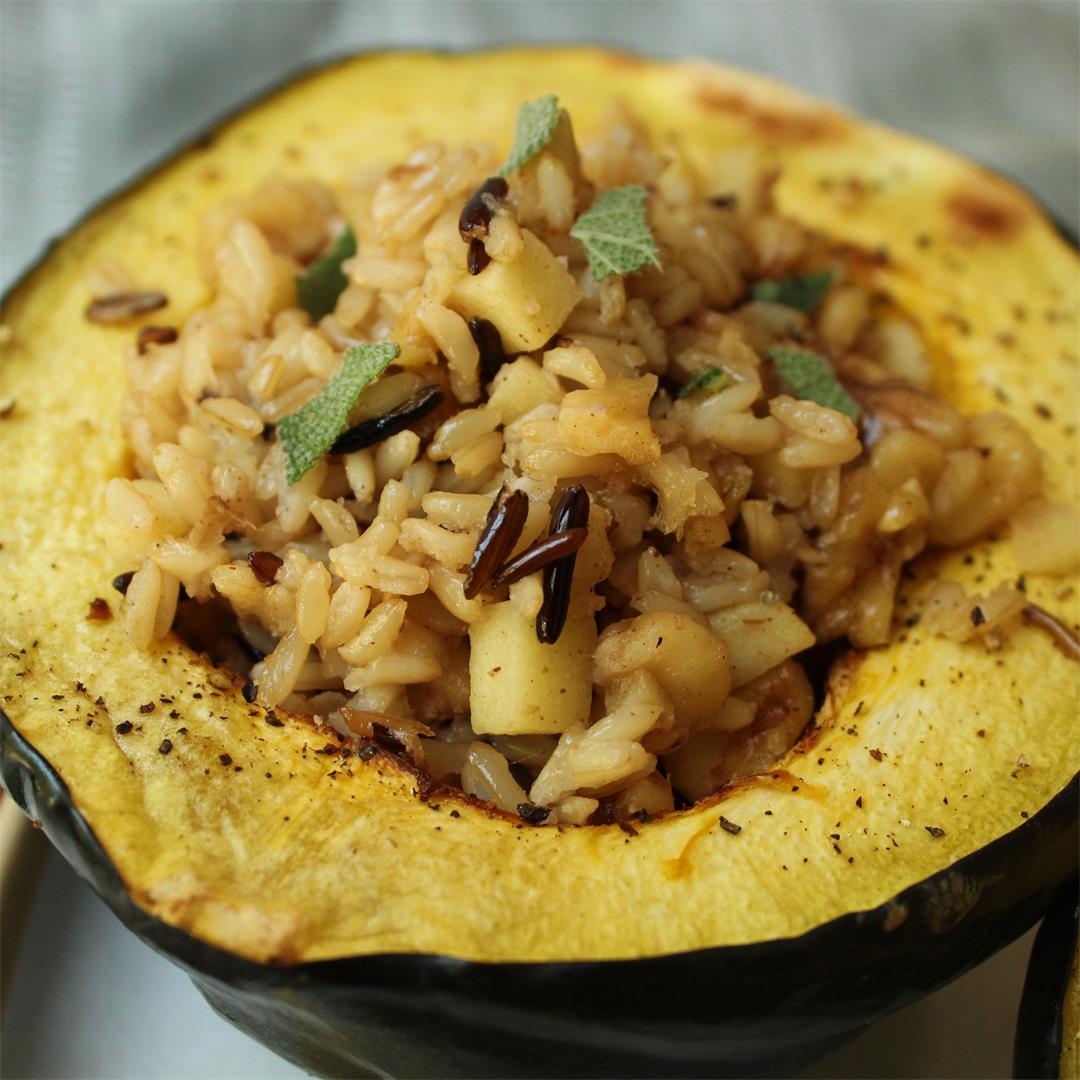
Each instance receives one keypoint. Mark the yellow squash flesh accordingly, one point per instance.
(288, 854)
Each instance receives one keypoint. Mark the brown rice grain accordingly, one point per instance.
(313, 602)
(336, 522)
(360, 470)
(460, 431)
(394, 671)
(345, 616)
(282, 669)
(486, 775)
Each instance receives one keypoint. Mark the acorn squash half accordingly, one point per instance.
(318, 900)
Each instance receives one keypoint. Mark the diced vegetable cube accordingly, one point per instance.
(759, 636)
(687, 658)
(613, 419)
(527, 299)
(521, 687)
(521, 386)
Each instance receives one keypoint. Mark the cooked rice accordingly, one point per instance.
(727, 533)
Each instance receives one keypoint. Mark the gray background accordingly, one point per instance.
(92, 92)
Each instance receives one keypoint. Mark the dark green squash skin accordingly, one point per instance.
(761, 1008)
(1037, 1052)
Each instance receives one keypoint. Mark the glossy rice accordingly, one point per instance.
(729, 531)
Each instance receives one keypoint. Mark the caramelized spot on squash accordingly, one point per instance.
(772, 123)
(618, 59)
(981, 215)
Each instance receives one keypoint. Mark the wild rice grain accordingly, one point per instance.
(121, 582)
(571, 512)
(504, 523)
(540, 554)
(476, 217)
(122, 307)
(154, 335)
(1063, 637)
(413, 409)
(478, 257)
(480, 208)
(489, 342)
(264, 565)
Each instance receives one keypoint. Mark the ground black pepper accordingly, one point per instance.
(534, 815)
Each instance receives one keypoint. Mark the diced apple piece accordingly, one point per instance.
(759, 636)
(527, 299)
(521, 687)
(521, 386)
(688, 660)
(613, 419)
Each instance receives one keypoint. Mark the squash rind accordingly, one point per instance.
(714, 1012)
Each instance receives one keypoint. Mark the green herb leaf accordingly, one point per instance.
(616, 234)
(713, 379)
(535, 124)
(320, 285)
(802, 291)
(811, 379)
(310, 431)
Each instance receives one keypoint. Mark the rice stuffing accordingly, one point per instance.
(631, 446)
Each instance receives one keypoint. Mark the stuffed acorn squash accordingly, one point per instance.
(309, 856)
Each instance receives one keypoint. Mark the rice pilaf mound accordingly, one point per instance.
(639, 443)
